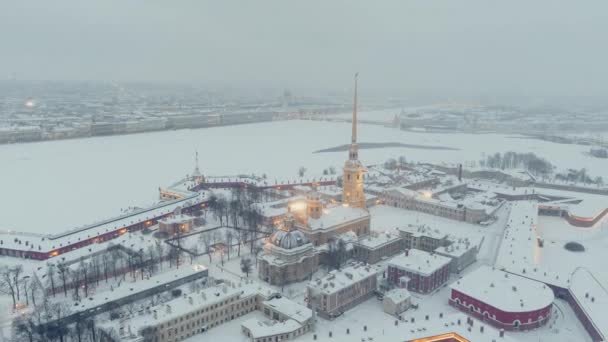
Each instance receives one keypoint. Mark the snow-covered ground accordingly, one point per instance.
(556, 232)
(54, 186)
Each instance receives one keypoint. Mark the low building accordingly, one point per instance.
(342, 289)
(396, 301)
(462, 251)
(419, 271)
(188, 315)
(425, 202)
(286, 320)
(175, 224)
(504, 300)
(423, 237)
(377, 246)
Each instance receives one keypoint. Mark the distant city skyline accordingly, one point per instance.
(474, 49)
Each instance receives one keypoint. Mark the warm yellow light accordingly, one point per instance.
(297, 206)
(442, 338)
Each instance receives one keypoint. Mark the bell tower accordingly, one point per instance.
(352, 177)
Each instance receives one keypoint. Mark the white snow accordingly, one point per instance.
(96, 177)
(419, 262)
(505, 292)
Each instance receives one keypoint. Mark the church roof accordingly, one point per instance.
(288, 239)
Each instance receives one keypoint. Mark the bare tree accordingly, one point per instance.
(50, 276)
(35, 288)
(246, 266)
(229, 239)
(193, 254)
(205, 238)
(7, 283)
(64, 273)
(301, 171)
(337, 253)
(160, 252)
(17, 270)
(105, 260)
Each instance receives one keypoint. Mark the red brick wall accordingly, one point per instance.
(498, 318)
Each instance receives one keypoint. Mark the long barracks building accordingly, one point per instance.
(42, 247)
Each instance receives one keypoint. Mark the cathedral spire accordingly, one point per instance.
(352, 178)
(354, 133)
(353, 153)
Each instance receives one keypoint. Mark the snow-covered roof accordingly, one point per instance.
(176, 219)
(398, 295)
(289, 308)
(504, 291)
(592, 296)
(337, 215)
(47, 243)
(194, 301)
(375, 240)
(459, 246)
(263, 328)
(422, 230)
(519, 243)
(419, 262)
(337, 280)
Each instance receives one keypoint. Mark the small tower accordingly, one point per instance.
(197, 176)
(352, 179)
(314, 207)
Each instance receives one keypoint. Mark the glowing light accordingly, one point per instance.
(29, 104)
(54, 253)
(427, 194)
(443, 338)
(297, 206)
(122, 231)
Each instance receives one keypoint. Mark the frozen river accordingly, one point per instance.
(53, 186)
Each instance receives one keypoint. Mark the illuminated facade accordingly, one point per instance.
(450, 337)
(352, 177)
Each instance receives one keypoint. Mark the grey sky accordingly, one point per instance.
(536, 47)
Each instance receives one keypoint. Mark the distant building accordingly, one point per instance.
(412, 200)
(419, 271)
(377, 246)
(342, 289)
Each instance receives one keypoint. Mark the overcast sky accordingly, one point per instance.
(535, 47)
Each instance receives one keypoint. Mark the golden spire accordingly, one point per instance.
(354, 133)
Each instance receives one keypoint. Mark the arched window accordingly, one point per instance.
(516, 323)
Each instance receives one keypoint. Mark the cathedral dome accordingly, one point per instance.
(288, 239)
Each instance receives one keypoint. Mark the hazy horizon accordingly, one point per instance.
(541, 49)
